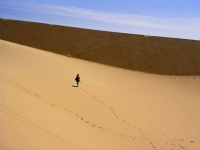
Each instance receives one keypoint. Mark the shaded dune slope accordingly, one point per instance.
(158, 55)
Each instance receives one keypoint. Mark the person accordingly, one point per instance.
(77, 79)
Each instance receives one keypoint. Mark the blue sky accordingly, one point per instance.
(166, 18)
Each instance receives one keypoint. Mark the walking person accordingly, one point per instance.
(77, 79)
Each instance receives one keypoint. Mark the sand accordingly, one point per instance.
(166, 56)
(112, 109)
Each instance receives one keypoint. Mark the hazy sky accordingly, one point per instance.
(168, 18)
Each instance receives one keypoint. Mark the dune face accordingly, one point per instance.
(113, 109)
(158, 55)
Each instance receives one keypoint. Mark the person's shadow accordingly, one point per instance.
(74, 86)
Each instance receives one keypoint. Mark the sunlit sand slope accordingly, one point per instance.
(113, 109)
(135, 52)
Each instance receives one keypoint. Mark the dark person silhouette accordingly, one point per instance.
(77, 79)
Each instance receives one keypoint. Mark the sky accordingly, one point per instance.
(165, 18)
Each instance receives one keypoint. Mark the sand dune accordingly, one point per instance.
(113, 109)
(158, 55)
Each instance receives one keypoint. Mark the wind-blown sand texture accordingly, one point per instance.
(158, 55)
(113, 109)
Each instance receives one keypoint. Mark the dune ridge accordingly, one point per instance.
(159, 55)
